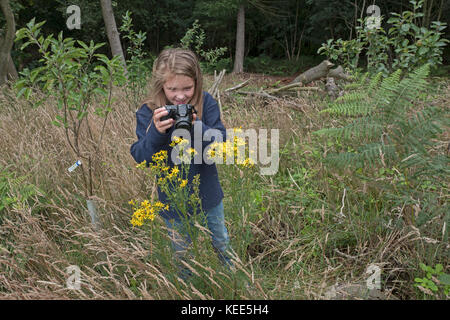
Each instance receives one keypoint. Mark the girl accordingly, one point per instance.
(177, 79)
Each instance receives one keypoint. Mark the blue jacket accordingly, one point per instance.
(153, 141)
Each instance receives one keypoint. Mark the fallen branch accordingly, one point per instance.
(315, 73)
(266, 95)
(320, 71)
(294, 85)
(214, 90)
(239, 86)
(339, 73)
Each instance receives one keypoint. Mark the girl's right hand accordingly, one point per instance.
(162, 126)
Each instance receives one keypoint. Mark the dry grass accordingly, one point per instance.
(296, 252)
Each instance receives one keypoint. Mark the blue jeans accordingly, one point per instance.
(219, 235)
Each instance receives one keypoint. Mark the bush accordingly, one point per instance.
(404, 46)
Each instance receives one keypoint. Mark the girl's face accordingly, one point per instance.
(179, 89)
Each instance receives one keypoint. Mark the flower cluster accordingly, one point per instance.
(185, 153)
(146, 211)
(235, 149)
(171, 180)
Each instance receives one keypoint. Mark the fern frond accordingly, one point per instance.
(367, 156)
(387, 92)
(417, 132)
(350, 109)
(411, 87)
(374, 82)
(359, 128)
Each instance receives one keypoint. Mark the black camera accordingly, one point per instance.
(182, 114)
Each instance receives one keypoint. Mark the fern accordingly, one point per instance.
(386, 127)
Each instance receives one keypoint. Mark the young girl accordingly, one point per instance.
(177, 79)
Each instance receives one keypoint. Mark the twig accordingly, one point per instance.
(261, 94)
(266, 95)
(214, 90)
(293, 85)
(343, 203)
(241, 85)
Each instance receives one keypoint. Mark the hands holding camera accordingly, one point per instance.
(165, 118)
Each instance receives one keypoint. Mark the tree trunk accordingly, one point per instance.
(11, 71)
(314, 73)
(7, 42)
(322, 70)
(111, 29)
(240, 41)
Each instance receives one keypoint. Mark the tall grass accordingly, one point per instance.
(290, 240)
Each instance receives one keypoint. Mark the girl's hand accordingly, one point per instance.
(162, 126)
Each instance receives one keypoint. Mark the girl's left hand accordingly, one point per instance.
(194, 118)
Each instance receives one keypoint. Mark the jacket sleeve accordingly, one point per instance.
(210, 120)
(150, 140)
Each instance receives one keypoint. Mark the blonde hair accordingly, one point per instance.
(170, 62)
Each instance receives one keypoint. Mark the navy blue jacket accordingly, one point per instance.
(153, 141)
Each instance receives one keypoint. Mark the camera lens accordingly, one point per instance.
(183, 125)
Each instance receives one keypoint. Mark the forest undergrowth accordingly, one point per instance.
(296, 233)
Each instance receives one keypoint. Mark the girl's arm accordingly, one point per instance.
(150, 140)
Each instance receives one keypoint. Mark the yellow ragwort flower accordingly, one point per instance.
(183, 183)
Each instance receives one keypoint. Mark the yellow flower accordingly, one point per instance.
(183, 183)
(178, 141)
(147, 211)
(237, 130)
(173, 173)
(191, 151)
(145, 203)
(142, 165)
(175, 141)
(160, 156)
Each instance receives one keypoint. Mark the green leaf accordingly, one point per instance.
(81, 115)
(101, 91)
(423, 50)
(444, 279)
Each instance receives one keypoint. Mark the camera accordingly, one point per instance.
(182, 114)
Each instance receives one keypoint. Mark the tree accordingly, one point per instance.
(111, 29)
(262, 5)
(6, 41)
(240, 41)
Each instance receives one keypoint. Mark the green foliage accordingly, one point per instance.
(14, 191)
(76, 77)
(383, 117)
(138, 68)
(405, 46)
(436, 280)
(194, 39)
(278, 67)
(387, 130)
(415, 45)
(344, 52)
